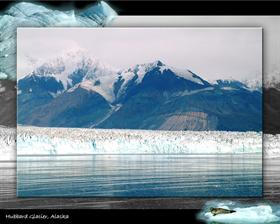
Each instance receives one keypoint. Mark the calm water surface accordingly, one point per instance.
(140, 176)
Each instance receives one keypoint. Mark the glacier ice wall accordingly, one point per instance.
(26, 14)
(47, 141)
(7, 144)
(271, 145)
(31, 137)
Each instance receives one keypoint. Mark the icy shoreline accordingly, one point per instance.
(58, 141)
(8, 141)
(271, 145)
(7, 144)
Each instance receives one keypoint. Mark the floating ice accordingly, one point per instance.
(33, 15)
(254, 214)
(249, 214)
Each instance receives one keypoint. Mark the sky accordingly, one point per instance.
(270, 25)
(212, 53)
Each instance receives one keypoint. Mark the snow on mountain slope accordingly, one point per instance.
(90, 85)
(230, 84)
(188, 93)
(101, 78)
(63, 67)
(233, 84)
(186, 74)
(146, 92)
(78, 69)
(140, 70)
(32, 140)
(25, 14)
(136, 72)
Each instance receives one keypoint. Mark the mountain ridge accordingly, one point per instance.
(145, 96)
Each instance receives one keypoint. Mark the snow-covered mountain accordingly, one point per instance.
(77, 90)
(70, 71)
(26, 14)
(76, 69)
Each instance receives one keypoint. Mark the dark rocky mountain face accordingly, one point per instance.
(212, 109)
(79, 108)
(38, 84)
(35, 91)
(8, 103)
(165, 81)
(162, 99)
(271, 113)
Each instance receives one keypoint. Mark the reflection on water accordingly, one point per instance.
(140, 175)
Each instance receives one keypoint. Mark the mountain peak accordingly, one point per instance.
(77, 66)
(64, 64)
(157, 63)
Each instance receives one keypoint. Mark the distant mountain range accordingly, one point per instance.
(78, 91)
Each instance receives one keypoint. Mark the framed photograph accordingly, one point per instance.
(139, 112)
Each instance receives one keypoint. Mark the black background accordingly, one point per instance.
(171, 7)
(106, 216)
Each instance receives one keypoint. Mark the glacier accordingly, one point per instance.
(7, 144)
(60, 141)
(271, 145)
(67, 144)
(26, 14)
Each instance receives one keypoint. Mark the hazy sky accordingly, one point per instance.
(212, 53)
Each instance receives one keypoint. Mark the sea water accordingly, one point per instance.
(180, 175)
